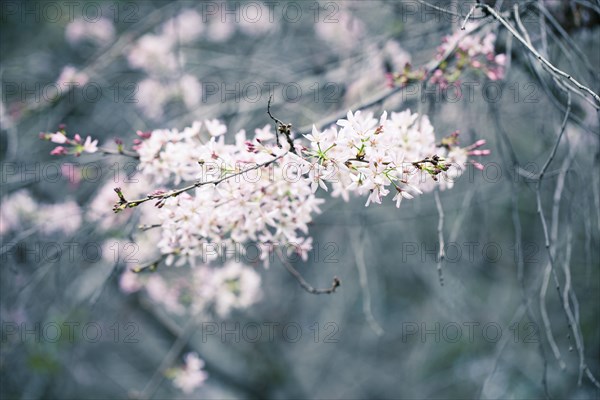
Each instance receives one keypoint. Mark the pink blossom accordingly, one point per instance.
(100, 32)
(58, 151)
(129, 282)
(90, 146)
(191, 376)
(71, 76)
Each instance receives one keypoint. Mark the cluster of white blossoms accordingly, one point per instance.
(20, 211)
(156, 54)
(163, 54)
(473, 45)
(206, 289)
(270, 205)
(253, 191)
(373, 157)
(458, 54)
(476, 51)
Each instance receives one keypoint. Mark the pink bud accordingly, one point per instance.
(144, 135)
(492, 75)
(58, 151)
(389, 80)
(77, 138)
(477, 165)
(479, 152)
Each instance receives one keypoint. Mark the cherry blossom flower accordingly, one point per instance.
(90, 146)
(344, 33)
(128, 281)
(71, 76)
(231, 286)
(185, 27)
(99, 32)
(191, 375)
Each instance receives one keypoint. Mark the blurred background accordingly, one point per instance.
(494, 329)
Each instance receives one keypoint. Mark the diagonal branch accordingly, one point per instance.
(303, 283)
(123, 203)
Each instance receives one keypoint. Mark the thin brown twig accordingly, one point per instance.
(281, 128)
(119, 152)
(449, 12)
(303, 283)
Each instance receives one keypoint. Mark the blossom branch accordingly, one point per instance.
(380, 98)
(549, 66)
(161, 197)
(150, 266)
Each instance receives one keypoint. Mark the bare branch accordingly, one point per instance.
(303, 283)
(440, 231)
(359, 256)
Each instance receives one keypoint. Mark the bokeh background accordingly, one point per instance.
(391, 330)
